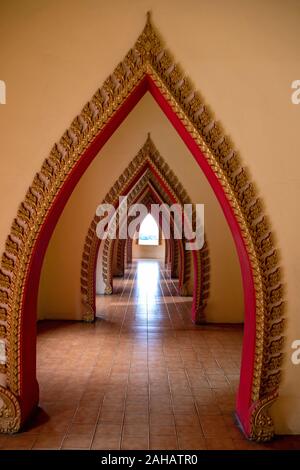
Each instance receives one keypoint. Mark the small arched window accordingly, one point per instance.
(149, 233)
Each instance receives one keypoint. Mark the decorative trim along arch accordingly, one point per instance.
(199, 304)
(146, 201)
(146, 67)
(129, 251)
(147, 192)
(148, 166)
(120, 258)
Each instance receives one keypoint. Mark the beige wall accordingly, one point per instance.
(242, 55)
(149, 251)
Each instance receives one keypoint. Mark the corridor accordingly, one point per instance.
(142, 377)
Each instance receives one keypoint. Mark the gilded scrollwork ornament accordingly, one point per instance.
(87, 312)
(10, 414)
(262, 424)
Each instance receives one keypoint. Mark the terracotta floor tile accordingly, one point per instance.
(134, 443)
(189, 431)
(244, 444)
(19, 442)
(162, 430)
(226, 408)
(192, 443)
(106, 443)
(163, 408)
(133, 418)
(82, 429)
(233, 430)
(186, 420)
(163, 443)
(204, 397)
(159, 389)
(139, 395)
(48, 441)
(77, 441)
(55, 426)
(156, 399)
(109, 430)
(114, 417)
(184, 408)
(117, 406)
(215, 443)
(213, 428)
(86, 415)
(284, 442)
(3, 439)
(182, 400)
(136, 430)
(208, 410)
(162, 419)
(143, 370)
(136, 408)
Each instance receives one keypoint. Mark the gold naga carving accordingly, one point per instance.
(10, 415)
(150, 56)
(148, 153)
(262, 424)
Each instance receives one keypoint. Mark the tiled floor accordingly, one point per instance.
(142, 377)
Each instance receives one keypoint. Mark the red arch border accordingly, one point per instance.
(28, 383)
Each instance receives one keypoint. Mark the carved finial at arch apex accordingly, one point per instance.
(148, 43)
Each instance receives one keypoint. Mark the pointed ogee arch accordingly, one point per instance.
(148, 66)
(146, 200)
(200, 289)
(147, 169)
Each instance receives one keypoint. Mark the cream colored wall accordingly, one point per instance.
(242, 55)
(148, 251)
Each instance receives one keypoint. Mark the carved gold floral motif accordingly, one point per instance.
(10, 415)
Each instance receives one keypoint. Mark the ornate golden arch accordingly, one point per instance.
(147, 158)
(147, 66)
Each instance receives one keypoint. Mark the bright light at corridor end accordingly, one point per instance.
(149, 233)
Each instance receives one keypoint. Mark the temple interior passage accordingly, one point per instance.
(143, 376)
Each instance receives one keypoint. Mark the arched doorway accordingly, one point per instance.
(149, 179)
(147, 67)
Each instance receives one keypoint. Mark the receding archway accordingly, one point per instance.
(147, 67)
(147, 170)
